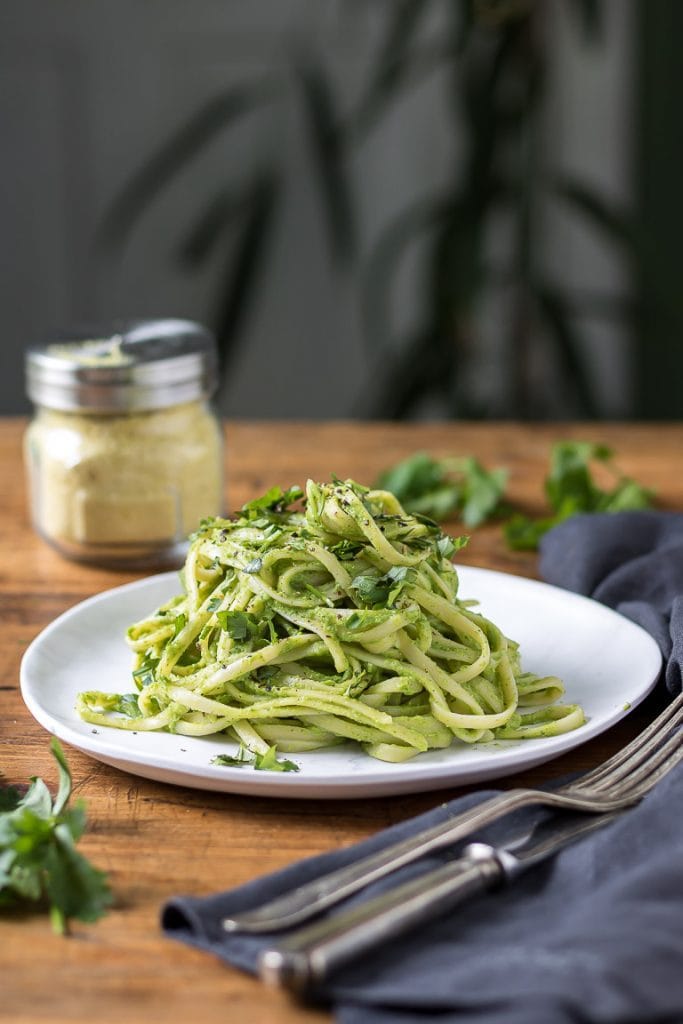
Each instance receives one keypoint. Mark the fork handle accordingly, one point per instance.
(312, 897)
(308, 956)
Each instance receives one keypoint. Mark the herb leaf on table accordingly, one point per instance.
(572, 490)
(39, 862)
(444, 488)
(462, 487)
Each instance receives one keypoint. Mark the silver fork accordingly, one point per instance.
(619, 782)
(307, 955)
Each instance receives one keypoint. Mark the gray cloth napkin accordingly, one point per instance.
(631, 561)
(594, 936)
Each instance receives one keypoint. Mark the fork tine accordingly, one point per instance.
(659, 763)
(631, 755)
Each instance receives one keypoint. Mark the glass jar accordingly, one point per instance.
(124, 453)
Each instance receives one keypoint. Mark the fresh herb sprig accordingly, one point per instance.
(450, 488)
(446, 488)
(572, 490)
(267, 762)
(39, 863)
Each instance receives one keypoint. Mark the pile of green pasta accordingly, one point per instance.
(317, 619)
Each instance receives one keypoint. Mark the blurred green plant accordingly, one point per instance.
(492, 55)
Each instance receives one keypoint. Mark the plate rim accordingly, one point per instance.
(410, 777)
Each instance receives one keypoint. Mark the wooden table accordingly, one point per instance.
(157, 840)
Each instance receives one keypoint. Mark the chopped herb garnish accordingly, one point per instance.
(237, 624)
(267, 762)
(400, 576)
(238, 760)
(275, 500)
(144, 673)
(447, 546)
(346, 549)
(370, 588)
(254, 566)
(374, 589)
(127, 704)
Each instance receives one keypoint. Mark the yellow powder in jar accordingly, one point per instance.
(138, 478)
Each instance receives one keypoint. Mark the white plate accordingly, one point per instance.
(608, 665)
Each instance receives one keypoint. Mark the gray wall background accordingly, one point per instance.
(89, 87)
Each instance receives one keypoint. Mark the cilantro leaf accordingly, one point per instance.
(370, 588)
(346, 549)
(524, 534)
(419, 474)
(143, 675)
(373, 589)
(238, 760)
(627, 495)
(267, 762)
(445, 488)
(39, 862)
(482, 491)
(569, 483)
(400, 576)
(572, 490)
(73, 887)
(236, 624)
(274, 500)
(120, 703)
(127, 704)
(447, 546)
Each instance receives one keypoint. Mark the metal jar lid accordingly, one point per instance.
(131, 366)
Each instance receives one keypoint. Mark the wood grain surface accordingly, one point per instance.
(158, 840)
